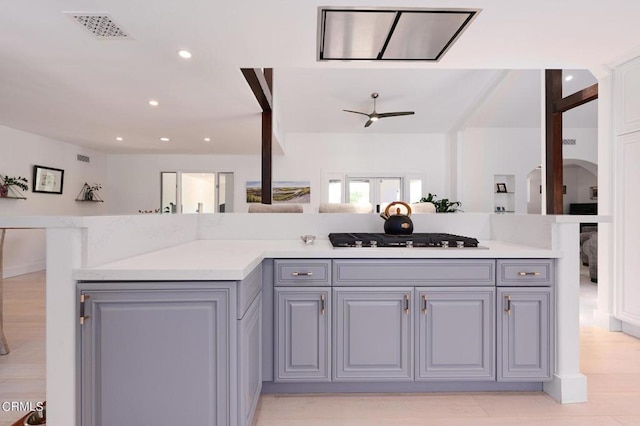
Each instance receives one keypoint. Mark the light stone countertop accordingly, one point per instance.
(205, 260)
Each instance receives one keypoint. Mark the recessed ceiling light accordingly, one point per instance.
(119, 139)
(184, 54)
(165, 139)
(207, 139)
(154, 103)
(568, 78)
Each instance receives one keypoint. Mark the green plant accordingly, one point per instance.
(90, 191)
(19, 181)
(95, 187)
(443, 205)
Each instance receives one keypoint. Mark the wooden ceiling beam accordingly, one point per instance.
(553, 136)
(261, 84)
(555, 105)
(579, 98)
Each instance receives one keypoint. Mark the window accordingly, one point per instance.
(379, 189)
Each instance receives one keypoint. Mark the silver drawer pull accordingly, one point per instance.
(302, 274)
(323, 305)
(524, 274)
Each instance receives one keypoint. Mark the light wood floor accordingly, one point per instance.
(611, 362)
(22, 371)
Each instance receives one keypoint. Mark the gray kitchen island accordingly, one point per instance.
(199, 349)
(169, 296)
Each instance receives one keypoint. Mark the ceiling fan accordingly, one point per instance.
(375, 116)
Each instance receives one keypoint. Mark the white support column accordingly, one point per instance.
(568, 384)
(64, 254)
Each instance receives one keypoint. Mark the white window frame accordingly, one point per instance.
(344, 177)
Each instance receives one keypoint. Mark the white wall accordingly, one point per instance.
(134, 180)
(578, 181)
(485, 152)
(24, 250)
(586, 147)
(308, 156)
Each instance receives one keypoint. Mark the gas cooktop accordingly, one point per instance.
(408, 241)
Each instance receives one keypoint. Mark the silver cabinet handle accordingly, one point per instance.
(507, 299)
(524, 274)
(424, 304)
(83, 317)
(322, 304)
(406, 303)
(302, 274)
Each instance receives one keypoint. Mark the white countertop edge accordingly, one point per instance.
(222, 260)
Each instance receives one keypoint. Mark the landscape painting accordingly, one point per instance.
(282, 192)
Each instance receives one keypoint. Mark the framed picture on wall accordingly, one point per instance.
(501, 187)
(593, 192)
(47, 180)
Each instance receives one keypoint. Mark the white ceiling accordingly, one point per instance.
(59, 81)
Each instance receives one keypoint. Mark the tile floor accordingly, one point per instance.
(611, 362)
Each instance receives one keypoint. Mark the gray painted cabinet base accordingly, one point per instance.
(302, 341)
(455, 333)
(249, 362)
(373, 334)
(156, 357)
(525, 334)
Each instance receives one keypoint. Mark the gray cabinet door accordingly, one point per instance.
(373, 334)
(302, 334)
(455, 333)
(155, 357)
(250, 361)
(525, 336)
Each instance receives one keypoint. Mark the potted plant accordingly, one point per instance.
(443, 205)
(90, 193)
(7, 182)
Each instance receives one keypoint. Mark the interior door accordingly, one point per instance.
(198, 192)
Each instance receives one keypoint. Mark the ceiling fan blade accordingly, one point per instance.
(356, 112)
(395, 114)
(368, 123)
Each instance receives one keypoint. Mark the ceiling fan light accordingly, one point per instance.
(374, 118)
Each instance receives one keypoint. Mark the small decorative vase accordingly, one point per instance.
(88, 196)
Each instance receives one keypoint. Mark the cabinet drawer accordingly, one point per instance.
(301, 272)
(410, 272)
(525, 272)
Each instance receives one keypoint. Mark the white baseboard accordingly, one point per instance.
(14, 271)
(607, 321)
(630, 329)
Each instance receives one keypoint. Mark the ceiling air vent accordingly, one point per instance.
(83, 158)
(389, 34)
(99, 24)
(568, 141)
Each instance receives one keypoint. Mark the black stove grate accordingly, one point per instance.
(388, 240)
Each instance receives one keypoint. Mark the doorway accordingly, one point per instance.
(196, 192)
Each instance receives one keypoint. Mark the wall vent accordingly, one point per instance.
(84, 158)
(99, 24)
(568, 141)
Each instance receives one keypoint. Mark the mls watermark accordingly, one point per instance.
(7, 406)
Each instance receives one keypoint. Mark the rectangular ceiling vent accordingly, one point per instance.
(99, 24)
(568, 141)
(389, 34)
